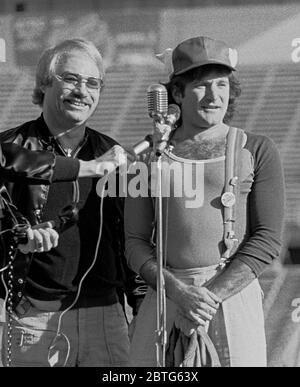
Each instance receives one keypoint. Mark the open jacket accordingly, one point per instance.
(32, 200)
(23, 165)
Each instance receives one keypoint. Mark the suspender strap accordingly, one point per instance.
(229, 198)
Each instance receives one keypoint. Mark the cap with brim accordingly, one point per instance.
(200, 51)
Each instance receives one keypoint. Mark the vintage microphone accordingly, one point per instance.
(157, 109)
(157, 97)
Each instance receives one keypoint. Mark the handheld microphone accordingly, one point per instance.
(143, 145)
(20, 231)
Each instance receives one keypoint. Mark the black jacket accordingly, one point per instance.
(25, 166)
(56, 275)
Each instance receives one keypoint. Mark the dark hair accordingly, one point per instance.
(180, 81)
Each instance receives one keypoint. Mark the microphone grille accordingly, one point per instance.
(157, 97)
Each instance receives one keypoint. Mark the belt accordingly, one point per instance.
(59, 305)
(27, 302)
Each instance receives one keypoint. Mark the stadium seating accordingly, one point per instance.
(268, 105)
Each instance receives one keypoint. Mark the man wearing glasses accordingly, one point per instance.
(68, 313)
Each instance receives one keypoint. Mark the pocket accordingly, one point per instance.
(29, 347)
(119, 309)
(32, 335)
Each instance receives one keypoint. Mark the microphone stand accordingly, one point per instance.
(161, 333)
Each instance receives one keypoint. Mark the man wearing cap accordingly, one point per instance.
(66, 304)
(215, 250)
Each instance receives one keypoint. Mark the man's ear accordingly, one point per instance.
(177, 95)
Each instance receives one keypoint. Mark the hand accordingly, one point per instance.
(197, 303)
(41, 237)
(161, 136)
(112, 159)
(107, 163)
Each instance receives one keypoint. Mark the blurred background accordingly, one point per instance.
(129, 33)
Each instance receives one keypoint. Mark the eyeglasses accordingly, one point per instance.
(75, 79)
